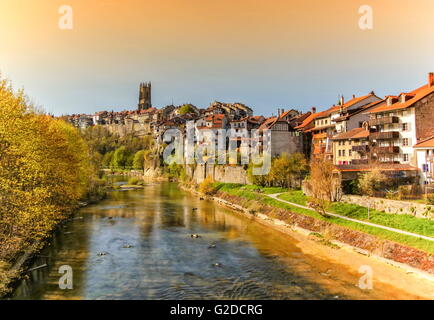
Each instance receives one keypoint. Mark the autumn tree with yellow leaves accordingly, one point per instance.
(45, 169)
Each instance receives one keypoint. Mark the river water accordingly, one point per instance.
(137, 244)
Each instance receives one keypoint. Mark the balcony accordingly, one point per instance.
(383, 120)
(359, 161)
(387, 150)
(384, 135)
(360, 149)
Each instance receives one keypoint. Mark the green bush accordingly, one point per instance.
(133, 181)
(139, 160)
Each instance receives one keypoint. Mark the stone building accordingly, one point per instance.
(145, 97)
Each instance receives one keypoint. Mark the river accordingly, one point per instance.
(137, 244)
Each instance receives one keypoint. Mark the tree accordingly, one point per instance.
(139, 160)
(107, 159)
(186, 108)
(120, 158)
(372, 182)
(298, 168)
(260, 180)
(45, 169)
(287, 171)
(323, 185)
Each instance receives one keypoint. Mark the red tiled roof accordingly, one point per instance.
(427, 143)
(382, 167)
(215, 117)
(283, 115)
(346, 104)
(309, 120)
(268, 123)
(356, 133)
(320, 135)
(417, 94)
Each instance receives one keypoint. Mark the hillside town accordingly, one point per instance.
(396, 133)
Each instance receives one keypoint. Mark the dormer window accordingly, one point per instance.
(389, 101)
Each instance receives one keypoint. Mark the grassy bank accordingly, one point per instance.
(398, 221)
(407, 223)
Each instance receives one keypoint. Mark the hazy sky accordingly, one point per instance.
(265, 53)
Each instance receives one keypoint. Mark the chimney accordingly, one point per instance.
(342, 101)
(431, 79)
(313, 110)
(278, 112)
(354, 96)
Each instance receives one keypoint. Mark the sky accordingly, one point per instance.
(267, 54)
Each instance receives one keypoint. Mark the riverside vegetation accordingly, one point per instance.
(46, 170)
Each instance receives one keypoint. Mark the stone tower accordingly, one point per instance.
(145, 96)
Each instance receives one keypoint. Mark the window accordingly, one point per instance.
(350, 153)
(405, 142)
(343, 153)
(405, 127)
(425, 167)
(339, 153)
(405, 156)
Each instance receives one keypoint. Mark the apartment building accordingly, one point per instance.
(425, 160)
(401, 122)
(352, 147)
(338, 119)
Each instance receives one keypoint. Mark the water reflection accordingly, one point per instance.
(137, 245)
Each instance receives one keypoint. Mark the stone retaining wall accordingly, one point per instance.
(220, 173)
(382, 248)
(392, 206)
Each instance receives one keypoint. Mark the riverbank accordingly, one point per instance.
(314, 239)
(11, 273)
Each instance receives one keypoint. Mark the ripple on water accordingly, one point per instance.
(162, 261)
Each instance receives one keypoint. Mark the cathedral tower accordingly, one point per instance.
(145, 101)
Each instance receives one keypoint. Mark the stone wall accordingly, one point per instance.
(368, 243)
(424, 116)
(220, 173)
(392, 206)
(285, 142)
(139, 129)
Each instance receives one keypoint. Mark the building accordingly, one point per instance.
(305, 129)
(337, 119)
(352, 147)
(284, 137)
(145, 97)
(425, 159)
(401, 122)
(232, 111)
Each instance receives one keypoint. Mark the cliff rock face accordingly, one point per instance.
(153, 173)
